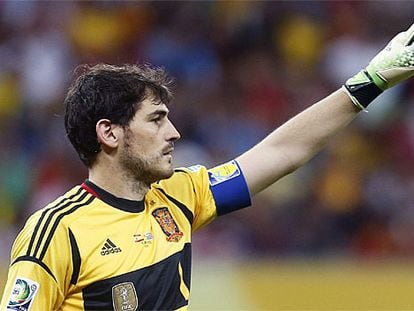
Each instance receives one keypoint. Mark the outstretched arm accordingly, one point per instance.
(300, 138)
(296, 141)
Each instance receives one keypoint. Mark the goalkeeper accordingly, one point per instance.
(122, 239)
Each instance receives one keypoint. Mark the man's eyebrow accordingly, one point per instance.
(159, 112)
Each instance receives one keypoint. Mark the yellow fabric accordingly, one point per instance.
(140, 240)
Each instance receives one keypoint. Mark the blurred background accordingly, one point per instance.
(336, 234)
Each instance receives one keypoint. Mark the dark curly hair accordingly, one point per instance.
(108, 92)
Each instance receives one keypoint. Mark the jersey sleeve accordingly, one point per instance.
(29, 287)
(37, 278)
(209, 193)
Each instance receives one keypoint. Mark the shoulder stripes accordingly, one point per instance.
(29, 250)
(37, 261)
(50, 219)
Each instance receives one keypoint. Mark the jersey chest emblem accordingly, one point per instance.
(167, 224)
(124, 297)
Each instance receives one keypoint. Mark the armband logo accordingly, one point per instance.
(223, 172)
(22, 295)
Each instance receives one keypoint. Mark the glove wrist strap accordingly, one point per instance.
(362, 89)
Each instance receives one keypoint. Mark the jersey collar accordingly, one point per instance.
(131, 206)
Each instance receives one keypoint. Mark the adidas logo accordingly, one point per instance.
(109, 248)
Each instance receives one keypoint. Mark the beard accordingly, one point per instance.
(143, 168)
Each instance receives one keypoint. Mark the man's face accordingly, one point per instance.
(146, 151)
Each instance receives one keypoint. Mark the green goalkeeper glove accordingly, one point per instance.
(395, 63)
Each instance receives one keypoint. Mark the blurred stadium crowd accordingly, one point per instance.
(241, 69)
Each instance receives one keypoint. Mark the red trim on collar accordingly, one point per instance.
(89, 189)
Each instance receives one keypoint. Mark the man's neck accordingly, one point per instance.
(119, 185)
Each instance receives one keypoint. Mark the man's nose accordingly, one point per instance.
(173, 133)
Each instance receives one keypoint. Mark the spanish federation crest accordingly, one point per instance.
(124, 297)
(167, 224)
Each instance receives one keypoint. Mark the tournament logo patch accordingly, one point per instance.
(195, 168)
(223, 172)
(22, 295)
(167, 224)
(124, 297)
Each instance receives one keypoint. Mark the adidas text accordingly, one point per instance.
(109, 248)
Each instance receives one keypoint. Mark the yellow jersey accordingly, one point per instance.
(90, 250)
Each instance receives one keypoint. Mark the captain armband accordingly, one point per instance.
(229, 188)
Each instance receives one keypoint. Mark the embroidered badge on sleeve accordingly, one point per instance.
(22, 295)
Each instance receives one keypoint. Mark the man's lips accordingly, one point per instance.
(168, 151)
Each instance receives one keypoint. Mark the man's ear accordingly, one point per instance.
(108, 134)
